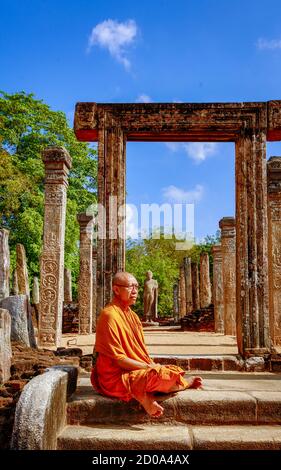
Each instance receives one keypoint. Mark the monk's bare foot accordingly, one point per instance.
(194, 382)
(152, 407)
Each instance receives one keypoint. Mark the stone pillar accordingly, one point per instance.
(227, 226)
(22, 272)
(35, 291)
(252, 298)
(274, 239)
(111, 197)
(67, 286)
(4, 264)
(57, 165)
(195, 286)
(94, 319)
(5, 346)
(205, 283)
(15, 284)
(188, 285)
(182, 293)
(218, 289)
(85, 281)
(176, 300)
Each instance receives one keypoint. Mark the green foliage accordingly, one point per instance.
(27, 126)
(160, 256)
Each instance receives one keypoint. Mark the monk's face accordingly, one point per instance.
(126, 290)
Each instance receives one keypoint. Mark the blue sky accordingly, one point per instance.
(150, 50)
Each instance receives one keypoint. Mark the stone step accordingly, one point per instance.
(169, 437)
(225, 399)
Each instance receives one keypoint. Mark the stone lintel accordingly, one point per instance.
(213, 122)
(55, 157)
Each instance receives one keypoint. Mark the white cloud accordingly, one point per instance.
(178, 195)
(173, 146)
(115, 37)
(263, 44)
(143, 99)
(198, 151)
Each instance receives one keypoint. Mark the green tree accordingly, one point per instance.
(27, 126)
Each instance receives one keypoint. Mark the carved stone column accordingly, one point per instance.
(188, 285)
(195, 286)
(85, 281)
(274, 238)
(182, 293)
(22, 272)
(111, 196)
(253, 336)
(94, 318)
(57, 164)
(218, 289)
(67, 286)
(227, 226)
(15, 284)
(4, 264)
(205, 282)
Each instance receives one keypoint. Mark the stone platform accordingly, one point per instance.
(232, 411)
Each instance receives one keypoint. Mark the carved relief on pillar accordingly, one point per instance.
(4, 264)
(48, 300)
(57, 164)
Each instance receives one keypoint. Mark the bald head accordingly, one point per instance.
(123, 278)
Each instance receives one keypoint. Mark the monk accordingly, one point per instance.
(123, 367)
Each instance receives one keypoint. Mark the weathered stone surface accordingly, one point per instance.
(218, 289)
(195, 286)
(274, 239)
(40, 413)
(21, 325)
(5, 346)
(136, 437)
(227, 226)
(205, 283)
(236, 438)
(22, 272)
(85, 280)
(15, 284)
(57, 164)
(4, 264)
(72, 375)
(67, 286)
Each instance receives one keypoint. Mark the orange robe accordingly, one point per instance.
(119, 334)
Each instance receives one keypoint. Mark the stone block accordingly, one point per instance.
(21, 324)
(5, 345)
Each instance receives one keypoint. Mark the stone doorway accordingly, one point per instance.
(249, 126)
